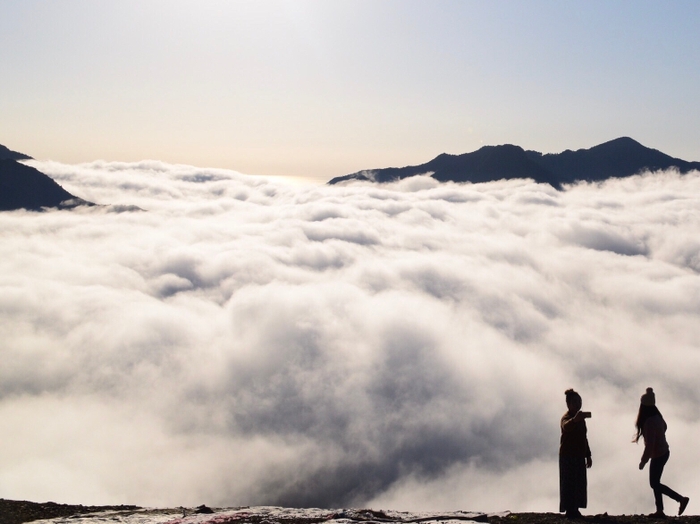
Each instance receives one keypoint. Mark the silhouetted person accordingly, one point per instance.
(574, 457)
(652, 426)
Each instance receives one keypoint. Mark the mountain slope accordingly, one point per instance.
(23, 187)
(8, 154)
(621, 157)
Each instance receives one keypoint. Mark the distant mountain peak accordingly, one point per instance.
(616, 158)
(623, 140)
(622, 143)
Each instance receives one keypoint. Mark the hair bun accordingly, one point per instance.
(648, 399)
(571, 394)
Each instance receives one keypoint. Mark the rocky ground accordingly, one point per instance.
(17, 512)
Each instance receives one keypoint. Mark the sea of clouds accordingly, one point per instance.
(245, 340)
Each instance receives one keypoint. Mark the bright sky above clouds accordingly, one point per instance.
(320, 89)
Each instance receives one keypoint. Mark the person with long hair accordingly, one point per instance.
(652, 426)
(574, 457)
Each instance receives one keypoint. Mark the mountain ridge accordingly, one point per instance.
(621, 157)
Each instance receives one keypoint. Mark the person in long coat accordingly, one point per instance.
(574, 457)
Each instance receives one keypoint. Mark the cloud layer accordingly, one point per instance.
(247, 341)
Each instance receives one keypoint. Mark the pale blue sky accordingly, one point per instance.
(322, 88)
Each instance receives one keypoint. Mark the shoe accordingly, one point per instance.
(684, 504)
(575, 514)
(657, 515)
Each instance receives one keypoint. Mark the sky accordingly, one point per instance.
(316, 89)
(246, 340)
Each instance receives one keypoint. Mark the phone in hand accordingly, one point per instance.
(586, 414)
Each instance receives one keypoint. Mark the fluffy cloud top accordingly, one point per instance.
(247, 341)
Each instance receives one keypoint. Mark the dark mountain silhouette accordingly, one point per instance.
(621, 157)
(8, 154)
(618, 158)
(23, 187)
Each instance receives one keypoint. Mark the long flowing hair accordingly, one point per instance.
(644, 413)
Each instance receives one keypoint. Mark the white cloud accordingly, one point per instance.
(246, 341)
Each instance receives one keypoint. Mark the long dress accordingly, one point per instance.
(573, 451)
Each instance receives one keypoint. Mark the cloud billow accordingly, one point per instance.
(248, 341)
